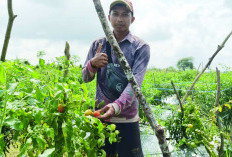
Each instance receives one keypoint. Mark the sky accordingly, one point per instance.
(174, 29)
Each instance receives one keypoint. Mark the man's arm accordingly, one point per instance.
(93, 62)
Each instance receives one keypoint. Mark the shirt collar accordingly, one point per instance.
(128, 37)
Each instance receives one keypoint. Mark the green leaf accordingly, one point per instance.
(110, 140)
(32, 101)
(47, 153)
(50, 132)
(1, 93)
(41, 62)
(35, 81)
(57, 94)
(34, 74)
(14, 123)
(39, 95)
(25, 147)
(41, 142)
(2, 143)
(85, 90)
(20, 94)
(38, 117)
(100, 143)
(55, 125)
(12, 88)
(68, 135)
(103, 152)
(1, 153)
(100, 104)
(2, 75)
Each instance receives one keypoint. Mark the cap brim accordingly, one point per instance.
(120, 2)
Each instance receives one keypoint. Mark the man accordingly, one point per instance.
(120, 103)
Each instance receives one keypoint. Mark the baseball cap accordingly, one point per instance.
(127, 3)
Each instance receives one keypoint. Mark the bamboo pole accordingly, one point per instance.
(206, 66)
(8, 30)
(159, 131)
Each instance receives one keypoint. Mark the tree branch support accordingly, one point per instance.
(8, 30)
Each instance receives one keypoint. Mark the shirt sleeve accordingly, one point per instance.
(88, 72)
(142, 56)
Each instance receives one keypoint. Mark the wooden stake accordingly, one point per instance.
(67, 54)
(8, 30)
(221, 148)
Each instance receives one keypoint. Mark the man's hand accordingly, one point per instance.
(100, 59)
(108, 112)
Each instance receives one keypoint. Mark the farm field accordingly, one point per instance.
(43, 109)
(197, 129)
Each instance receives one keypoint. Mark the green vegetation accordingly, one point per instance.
(198, 126)
(31, 114)
(43, 111)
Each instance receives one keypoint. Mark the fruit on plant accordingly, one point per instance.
(61, 108)
(88, 112)
(96, 114)
(113, 127)
(190, 125)
(193, 145)
(116, 132)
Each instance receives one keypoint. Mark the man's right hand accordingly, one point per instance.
(100, 59)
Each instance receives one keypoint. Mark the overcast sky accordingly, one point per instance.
(174, 29)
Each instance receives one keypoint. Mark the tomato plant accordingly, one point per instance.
(30, 97)
(35, 115)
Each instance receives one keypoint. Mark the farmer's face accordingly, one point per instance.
(120, 19)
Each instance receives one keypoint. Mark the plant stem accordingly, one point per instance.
(4, 110)
(183, 129)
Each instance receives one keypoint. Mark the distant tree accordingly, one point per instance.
(185, 63)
